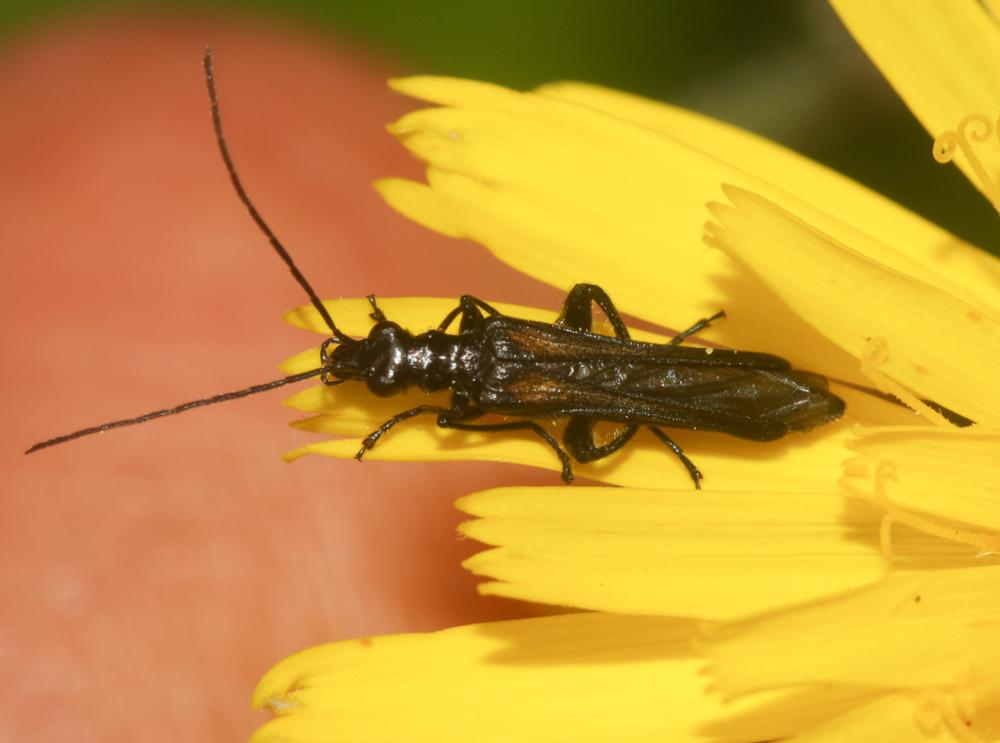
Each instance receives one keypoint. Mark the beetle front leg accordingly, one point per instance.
(469, 308)
(371, 439)
(376, 314)
(460, 410)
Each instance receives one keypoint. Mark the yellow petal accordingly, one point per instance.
(575, 678)
(807, 462)
(926, 629)
(710, 555)
(886, 221)
(780, 716)
(941, 56)
(938, 345)
(555, 188)
(572, 678)
(895, 717)
(951, 474)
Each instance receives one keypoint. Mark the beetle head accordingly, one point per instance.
(379, 359)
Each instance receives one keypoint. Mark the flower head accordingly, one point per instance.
(824, 598)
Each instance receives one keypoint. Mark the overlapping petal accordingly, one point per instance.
(536, 178)
(578, 677)
(927, 630)
(939, 345)
(943, 61)
(886, 221)
(674, 553)
(893, 717)
(839, 644)
(943, 482)
(574, 678)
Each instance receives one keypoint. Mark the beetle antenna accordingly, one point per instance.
(956, 419)
(225, 396)
(254, 214)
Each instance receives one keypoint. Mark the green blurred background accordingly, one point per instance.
(786, 69)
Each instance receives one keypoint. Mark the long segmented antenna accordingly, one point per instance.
(177, 409)
(956, 419)
(276, 243)
(254, 214)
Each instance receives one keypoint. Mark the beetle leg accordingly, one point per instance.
(460, 409)
(695, 473)
(374, 436)
(577, 313)
(376, 314)
(567, 470)
(700, 325)
(468, 308)
(579, 438)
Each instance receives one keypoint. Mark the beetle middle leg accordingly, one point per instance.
(567, 469)
(695, 473)
(698, 326)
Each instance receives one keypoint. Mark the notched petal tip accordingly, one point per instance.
(741, 197)
(452, 91)
(422, 204)
(716, 208)
(274, 691)
(296, 454)
(280, 705)
(414, 86)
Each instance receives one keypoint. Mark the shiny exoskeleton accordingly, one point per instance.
(524, 369)
(514, 367)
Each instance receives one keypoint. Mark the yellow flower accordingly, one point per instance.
(800, 595)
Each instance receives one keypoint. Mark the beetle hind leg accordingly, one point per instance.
(579, 438)
(577, 309)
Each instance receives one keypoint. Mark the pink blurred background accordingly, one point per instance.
(149, 576)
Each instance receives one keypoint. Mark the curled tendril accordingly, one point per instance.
(874, 354)
(973, 128)
(868, 480)
(945, 146)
